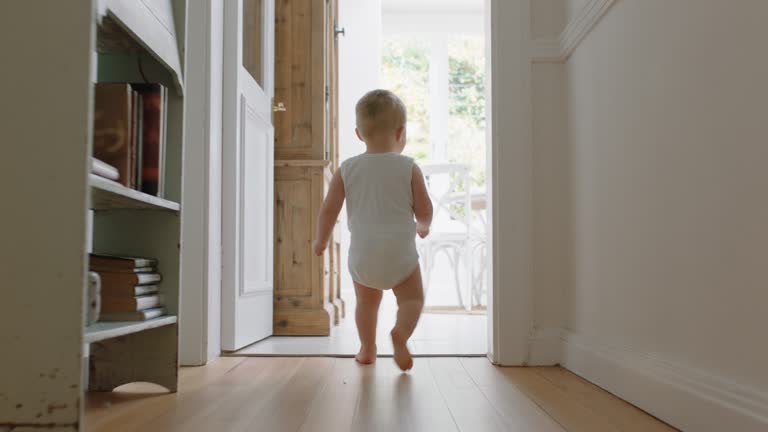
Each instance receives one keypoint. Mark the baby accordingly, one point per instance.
(385, 192)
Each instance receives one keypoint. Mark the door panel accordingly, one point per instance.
(248, 173)
(298, 273)
(256, 145)
(294, 221)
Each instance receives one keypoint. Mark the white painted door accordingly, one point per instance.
(248, 173)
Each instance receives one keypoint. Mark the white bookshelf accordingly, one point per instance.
(48, 85)
(137, 41)
(141, 25)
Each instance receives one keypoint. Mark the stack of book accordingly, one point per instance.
(129, 287)
(129, 135)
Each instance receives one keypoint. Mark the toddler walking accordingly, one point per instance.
(387, 205)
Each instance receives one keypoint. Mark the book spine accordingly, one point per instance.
(139, 141)
(130, 291)
(163, 136)
(147, 278)
(131, 304)
(149, 302)
(152, 159)
(112, 127)
(111, 263)
(134, 139)
(107, 269)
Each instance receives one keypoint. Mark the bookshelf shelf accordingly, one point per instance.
(107, 330)
(109, 195)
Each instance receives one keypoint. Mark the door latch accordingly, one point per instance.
(339, 31)
(280, 107)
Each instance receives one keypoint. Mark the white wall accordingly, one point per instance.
(359, 65)
(666, 133)
(550, 212)
(548, 18)
(550, 203)
(421, 22)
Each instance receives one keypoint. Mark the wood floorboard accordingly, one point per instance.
(563, 408)
(519, 412)
(619, 413)
(337, 394)
(333, 409)
(139, 404)
(470, 409)
(227, 403)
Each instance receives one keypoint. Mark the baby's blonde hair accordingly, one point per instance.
(379, 111)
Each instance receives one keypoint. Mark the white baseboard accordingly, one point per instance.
(687, 399)
(546, 347)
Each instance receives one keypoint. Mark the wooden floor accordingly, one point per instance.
(437, 334)
(334, 395)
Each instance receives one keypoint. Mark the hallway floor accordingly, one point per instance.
(436, 334)
(329, 394)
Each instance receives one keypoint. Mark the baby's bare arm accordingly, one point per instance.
(329, 213)
(422, 204)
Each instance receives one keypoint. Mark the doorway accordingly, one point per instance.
(414, 48)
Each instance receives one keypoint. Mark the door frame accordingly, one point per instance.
(510, 168)
(200, 317)
(511, 189)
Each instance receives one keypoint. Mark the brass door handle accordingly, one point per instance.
(280, 107)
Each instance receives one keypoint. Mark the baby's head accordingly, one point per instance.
(381, 117)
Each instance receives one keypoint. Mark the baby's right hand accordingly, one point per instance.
(422, 230)
(318, 248)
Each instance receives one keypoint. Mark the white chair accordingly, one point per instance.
(452, 228)
(478, 241)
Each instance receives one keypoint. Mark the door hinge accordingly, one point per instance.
(327, 93)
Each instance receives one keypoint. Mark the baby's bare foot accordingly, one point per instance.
(366, 355)
(401, 355)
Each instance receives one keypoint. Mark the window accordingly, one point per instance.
(441, 79)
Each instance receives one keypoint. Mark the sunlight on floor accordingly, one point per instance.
(436, 334)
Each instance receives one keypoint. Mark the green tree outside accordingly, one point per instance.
(405, 70)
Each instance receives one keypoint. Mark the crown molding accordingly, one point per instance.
(560, 50)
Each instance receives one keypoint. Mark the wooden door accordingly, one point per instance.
(300, 79)
(306, 151)
(248, 172)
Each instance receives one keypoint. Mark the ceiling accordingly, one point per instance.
(434, 5)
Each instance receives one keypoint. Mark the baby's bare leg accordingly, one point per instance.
(366, 315)
(410, 301)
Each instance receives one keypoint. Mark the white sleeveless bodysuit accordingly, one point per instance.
(379, 202)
